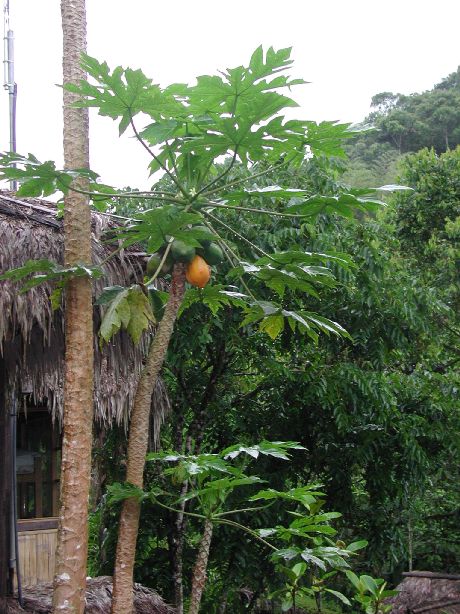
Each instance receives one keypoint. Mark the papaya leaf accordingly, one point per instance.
(155, 226)
(272, 191)
(129, 309)
(141, 313)
(120, 491)
(214, 297)
(56, 296)
(108, 294)
(116, 317)
(37, 178)
(158, 300)
(28, 268)
(344, 204)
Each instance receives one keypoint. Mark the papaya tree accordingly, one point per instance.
(196, 136)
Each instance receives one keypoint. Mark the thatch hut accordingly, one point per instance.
(425, 592)
(31, 379)
(98, 599)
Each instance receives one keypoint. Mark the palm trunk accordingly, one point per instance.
(137, 448)
(199, 571)
(72, 546)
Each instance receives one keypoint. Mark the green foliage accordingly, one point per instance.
(156, 226)
(371, 594)
(377, 415)
(353, 404)
(376, 409)
(236, 112)
(214, 297)
(424, 218)
(412, 122)
(38, 178)
(36, 272)
(303, 544)
(211, 489)
(119, 491)
(129, 309)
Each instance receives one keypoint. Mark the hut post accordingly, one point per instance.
(5, 492)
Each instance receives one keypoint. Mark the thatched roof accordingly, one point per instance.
(37, 599)
(424, 592)
(32, 336)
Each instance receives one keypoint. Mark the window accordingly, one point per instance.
(37, 464)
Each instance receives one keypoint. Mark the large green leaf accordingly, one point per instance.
(36, 272)
(344, 204)
(120, 491)
(214, 297)
(305, 495)
(37, 178)
(129, 309)
(277, 449)
(156, 227)
(339, 596)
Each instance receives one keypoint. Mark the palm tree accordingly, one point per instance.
(71, 554)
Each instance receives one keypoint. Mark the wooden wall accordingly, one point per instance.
(36, 555)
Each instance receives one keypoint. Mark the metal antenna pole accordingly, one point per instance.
(8, 80)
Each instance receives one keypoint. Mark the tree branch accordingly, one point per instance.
(219, 177)
(285, 162)
(237, 234)
(158, 161)
(254, 210)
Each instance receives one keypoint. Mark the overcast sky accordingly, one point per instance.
(348, 49)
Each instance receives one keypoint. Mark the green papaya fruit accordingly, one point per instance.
(213, 254)
(203, 242)
(181, 252)
(153, 263)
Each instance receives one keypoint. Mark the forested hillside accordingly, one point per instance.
(405, 124)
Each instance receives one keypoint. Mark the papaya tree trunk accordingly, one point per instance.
(72, 546)
(177, 551)
(122, 602)
(199, 571)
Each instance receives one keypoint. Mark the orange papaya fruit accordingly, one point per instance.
(198, 272)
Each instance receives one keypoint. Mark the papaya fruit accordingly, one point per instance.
(213, 254)
(198, 272)
(181, 252)
(154, 262)
(203, 242)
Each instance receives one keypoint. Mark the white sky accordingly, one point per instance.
(348, 49)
